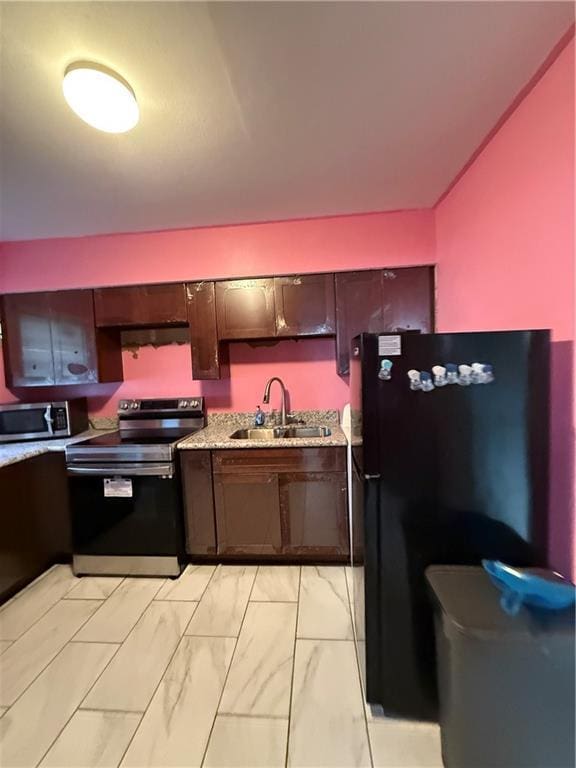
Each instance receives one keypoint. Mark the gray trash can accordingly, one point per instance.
(505, 683)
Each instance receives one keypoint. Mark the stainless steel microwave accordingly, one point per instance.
(40, 421)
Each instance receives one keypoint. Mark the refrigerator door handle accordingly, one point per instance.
(372, 477)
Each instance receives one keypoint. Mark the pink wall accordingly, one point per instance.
(345, 242)
(505, 253)
(335, 243)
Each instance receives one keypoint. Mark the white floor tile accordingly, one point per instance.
(247, 742)
(94, 587)
(176, 726)
(222, 607)
(276, 583)
(30, 726)
(405, 745)
(261, 671)
(132, 676)
(189, 586)
(36, 648)
(92, 740)
(4, 644)
(28, 606)
(2, 710)
(327, 724)
(114, 620)
(324, 611)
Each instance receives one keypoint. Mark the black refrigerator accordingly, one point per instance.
(449, 463)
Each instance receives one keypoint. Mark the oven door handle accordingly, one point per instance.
(122, 470)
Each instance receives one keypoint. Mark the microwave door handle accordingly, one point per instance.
(48, 419)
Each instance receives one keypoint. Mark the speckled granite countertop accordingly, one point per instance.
(221, 425)
(10, 453)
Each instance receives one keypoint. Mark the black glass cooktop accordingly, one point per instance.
(115, 439)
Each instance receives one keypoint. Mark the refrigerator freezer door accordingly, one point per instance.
(463, 476)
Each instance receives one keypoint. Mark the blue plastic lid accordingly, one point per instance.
(523, 587)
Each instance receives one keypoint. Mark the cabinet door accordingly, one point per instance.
(408, 299)
(198, 496)
(313, 511)
(30, 538)
(379, 301)
(358, 309)
(247, 514)
(73, 337)
(205, 349)
(245, 309)
(141, 305)
(305, 305)
(27, 340)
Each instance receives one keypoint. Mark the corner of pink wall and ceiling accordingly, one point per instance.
(505, 258)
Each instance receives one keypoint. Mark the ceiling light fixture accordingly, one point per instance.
(100, 97)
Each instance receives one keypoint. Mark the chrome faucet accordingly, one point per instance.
(266, 397)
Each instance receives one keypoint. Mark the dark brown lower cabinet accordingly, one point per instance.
(284, 503)
(196, 469)
(34, 519)
(313, 513)
(248, 514)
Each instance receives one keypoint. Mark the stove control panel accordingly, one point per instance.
(159, 406)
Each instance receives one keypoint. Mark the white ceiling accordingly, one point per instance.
(255, 111)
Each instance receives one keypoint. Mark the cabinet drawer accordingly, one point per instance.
(279, 460)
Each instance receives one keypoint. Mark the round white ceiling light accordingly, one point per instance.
(100, 97)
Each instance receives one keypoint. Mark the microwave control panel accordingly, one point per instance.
(60, 420)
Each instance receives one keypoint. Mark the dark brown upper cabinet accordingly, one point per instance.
(379, 301)
(27, 340)
(141, 305)
(408, 299)
(305, 305)
(358, 308)
(50, 339)
(208, 357)
(245, 309)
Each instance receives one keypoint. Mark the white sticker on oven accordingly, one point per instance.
(117, 487)
(389, 345)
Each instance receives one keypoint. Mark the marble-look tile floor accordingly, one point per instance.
(230, 666)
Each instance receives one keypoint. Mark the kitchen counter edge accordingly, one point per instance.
(217, 437)
(11, 453)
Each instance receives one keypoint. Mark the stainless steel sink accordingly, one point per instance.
(307, 432)
(259, 433)
(265, 433)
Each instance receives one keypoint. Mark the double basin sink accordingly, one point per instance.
(275, 433)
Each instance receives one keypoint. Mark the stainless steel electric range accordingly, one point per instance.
(125, 490)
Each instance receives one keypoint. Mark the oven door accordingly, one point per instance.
(126, 510)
